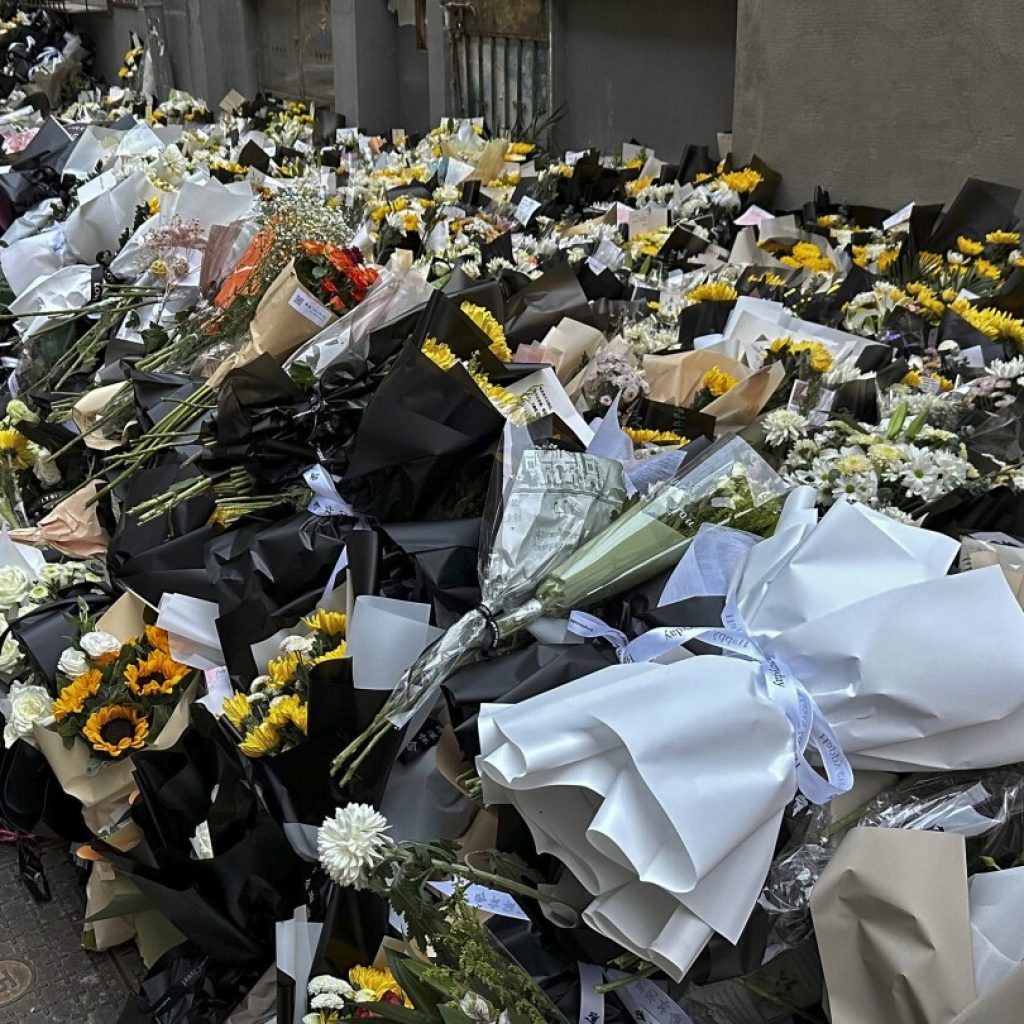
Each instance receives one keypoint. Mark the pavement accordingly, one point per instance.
(45, 974)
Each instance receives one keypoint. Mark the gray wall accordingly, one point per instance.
(885, 101)
(109, 35)
(658, 70)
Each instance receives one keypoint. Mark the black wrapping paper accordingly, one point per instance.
(538, 307)
(226, 905)
(44, 633)
(980, 207)
(33, 801)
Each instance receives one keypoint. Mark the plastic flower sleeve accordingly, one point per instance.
(554, 502)
(729, 484)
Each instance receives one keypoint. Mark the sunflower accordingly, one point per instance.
(157, 674)
(236, 709)
(379, 982)
(713, 291)
(158, 638)
(323, 621)
(484, 319)
(116, 728)
(264, 739)
(71, 700)
(15, 444)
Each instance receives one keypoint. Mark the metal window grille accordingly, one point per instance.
(69, 6)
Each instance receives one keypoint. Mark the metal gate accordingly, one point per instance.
(501, 54)
(296, 55)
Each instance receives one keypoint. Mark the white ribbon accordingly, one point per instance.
(326, 499)
(810, 726)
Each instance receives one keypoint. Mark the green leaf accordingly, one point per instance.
(453, 1015)
(391, 1011)
(423, 997)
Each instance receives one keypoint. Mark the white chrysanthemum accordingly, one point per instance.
(328, 983)
(1007, 369)
(352, 842)
(920, 475)
(297, 644)
(897, 513)
(327, 1001)
(784, 425)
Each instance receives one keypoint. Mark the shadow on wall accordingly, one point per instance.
(880, 102)
(661, 71)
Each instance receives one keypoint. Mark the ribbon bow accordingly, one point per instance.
(810, 727)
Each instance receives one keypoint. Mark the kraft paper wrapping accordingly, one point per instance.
(891, 916)
(72, 528)
(104, 794)
(88, 409)
(978, 551)
(676, 379)
(278, 328)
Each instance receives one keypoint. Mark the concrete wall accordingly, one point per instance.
(881, 101)
(658, 70)
(110, 37)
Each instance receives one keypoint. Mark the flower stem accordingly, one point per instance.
(610, 986)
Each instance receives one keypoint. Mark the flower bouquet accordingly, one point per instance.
(120, 691)
(273, 716)
(728, 484)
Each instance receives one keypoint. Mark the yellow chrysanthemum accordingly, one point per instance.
(282, 670)
(379, 982)
(1003, 238)
(323, 621)
(806, 254)
(439, 353)
(827, 220)
(16, 446)
(335, 654)
(485, 320)
(930, 262)
(887, 259)
(713, 291)
(153, 205)
(993, 323)
(819, 357)
(745, 180)
(634, 188)
(968, 246)
(264, 739)
(519, 149)
(157, 674)
(717, 381)
(159, 268)
(71, 700)
(654, 436)
(987, 269)
(286, 710)
(912, 379)
(115, 729)
(236, 709)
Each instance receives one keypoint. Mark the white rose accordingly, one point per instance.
(25, 705)
(10, 654)
(14, 585)
(297, 644)
(72, 662)
(98, 643)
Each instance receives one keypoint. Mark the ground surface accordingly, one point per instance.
(63, 983)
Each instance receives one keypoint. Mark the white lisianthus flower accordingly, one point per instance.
(98, 643)
(297, 645)
(14, 586)
(352, 842)
(782, 425)
(72, 662)
(25, 704)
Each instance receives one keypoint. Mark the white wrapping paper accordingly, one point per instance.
(669, 820)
